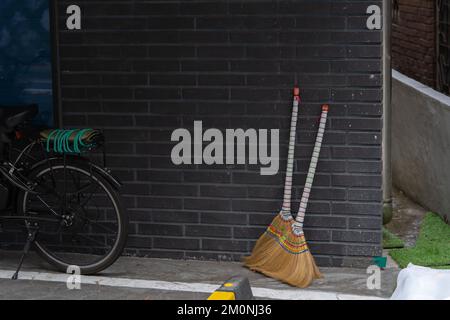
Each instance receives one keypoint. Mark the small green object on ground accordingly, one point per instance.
(380, 261)
(391, 241)
(432, 248)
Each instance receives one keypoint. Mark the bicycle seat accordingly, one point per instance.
(12, 116)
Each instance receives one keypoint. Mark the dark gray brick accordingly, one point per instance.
(225, 245)
(364, 250)
(248, 232)
(317, 235)
(160, 229)
(356, 181)
(180, 243)
(365, 195)
(223, 218)
(365, 223)
(357, 236)
(207, 204)
(328, 248)
(356, 209)
(208, 231)
(326, 222)
(160, 202)
(172, 216)
(223, 191)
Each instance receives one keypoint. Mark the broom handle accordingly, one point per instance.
(290, 161)
(312, 167)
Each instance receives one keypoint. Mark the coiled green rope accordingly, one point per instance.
(62, 142)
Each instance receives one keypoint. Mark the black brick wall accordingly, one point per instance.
(140, 69)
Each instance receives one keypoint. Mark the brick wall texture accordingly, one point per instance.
(141, 69)
(414, 38)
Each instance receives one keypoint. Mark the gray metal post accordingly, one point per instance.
(386, 144)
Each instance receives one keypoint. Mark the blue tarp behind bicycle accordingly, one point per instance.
(25, 56)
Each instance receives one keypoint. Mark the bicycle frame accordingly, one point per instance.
(11, 170)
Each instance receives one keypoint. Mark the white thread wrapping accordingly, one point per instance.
(286, 209)
(312, 169)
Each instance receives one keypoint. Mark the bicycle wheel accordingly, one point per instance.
(85, 223)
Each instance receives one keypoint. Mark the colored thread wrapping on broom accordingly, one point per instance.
(61, 140)
(280, 231)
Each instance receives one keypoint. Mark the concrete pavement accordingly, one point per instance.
(145, 278)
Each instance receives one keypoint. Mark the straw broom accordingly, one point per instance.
(271, 245)
(282, 252)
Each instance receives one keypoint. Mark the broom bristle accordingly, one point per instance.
(282, 255)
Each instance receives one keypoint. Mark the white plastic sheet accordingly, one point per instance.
(421, 283)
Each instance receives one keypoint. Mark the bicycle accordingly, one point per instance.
(70, 207)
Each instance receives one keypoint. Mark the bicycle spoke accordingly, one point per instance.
(84, 216)
(75, 181)
(81, 189)
(89, 238)
(48, 189)
(87, 199)
(48, 207)
(98, 224)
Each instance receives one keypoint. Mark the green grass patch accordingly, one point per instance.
(432, 248)
(391, 241)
